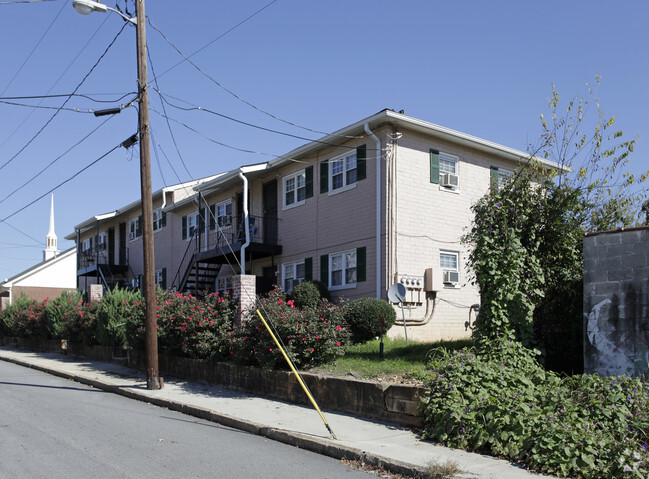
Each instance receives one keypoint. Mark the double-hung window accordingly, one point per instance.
(448, 171)
(161, 278)
(449, 264)
(444, 170)
(190, 223)
(293, 274)
(159, 219)
(224, 213)
(135, 228)
(295, 189)
(499, 176)
(101, 241)
(342, 269)
(343, 172)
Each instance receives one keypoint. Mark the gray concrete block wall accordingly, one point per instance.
(616, 302)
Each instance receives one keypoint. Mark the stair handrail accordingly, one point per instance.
(177, 281)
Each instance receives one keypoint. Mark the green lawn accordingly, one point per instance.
(399, 358)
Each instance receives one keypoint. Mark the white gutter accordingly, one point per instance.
(378, 208)
(246, 222)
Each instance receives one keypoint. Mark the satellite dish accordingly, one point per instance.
(396, 293)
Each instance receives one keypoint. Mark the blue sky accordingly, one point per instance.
(483, 68)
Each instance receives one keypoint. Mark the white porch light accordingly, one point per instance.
(86, 7)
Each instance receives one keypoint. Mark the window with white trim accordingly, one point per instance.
(343, 171)
(159, 219)
(101, 241)
(190, 225)
(342, 269)
(224, 213)
(293, 274)
(295, 189)
(161, 278)
(134, 228)
(449, 263)
(86, 245)
(448, 171)
(503, 175)
(224, 284)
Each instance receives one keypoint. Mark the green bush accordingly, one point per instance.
(6, 324)
(499, 400)
(118, 309)
(306, 295)
(311, 336)
(369, 318)
(59, 311)
(81, 326)
(195, 328)
(25, 318)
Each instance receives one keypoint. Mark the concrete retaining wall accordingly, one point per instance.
(392, 403)
(616, 302)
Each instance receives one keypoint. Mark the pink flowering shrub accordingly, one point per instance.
(119, 309)
(192, 327)
(186, 326)
(67, 317)
(24, 318)
(311, 336)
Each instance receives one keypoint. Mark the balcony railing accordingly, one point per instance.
(231, 230)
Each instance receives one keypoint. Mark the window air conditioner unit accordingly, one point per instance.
(451, 277)
(450, 180)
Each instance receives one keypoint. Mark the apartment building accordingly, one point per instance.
(382, 201)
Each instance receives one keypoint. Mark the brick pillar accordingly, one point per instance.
(245, 293)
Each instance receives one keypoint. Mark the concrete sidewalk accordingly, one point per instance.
(395, 448)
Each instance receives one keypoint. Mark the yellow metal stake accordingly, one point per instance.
(299, 378)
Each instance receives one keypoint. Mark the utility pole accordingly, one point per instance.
(150, 323)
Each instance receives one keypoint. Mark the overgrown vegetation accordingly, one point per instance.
(498, 399)
(527, 256)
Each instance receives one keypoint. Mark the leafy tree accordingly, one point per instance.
(594, 159)
(527, 234)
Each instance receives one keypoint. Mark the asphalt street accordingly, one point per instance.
(56, 428)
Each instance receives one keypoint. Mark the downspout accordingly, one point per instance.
(246, 222)
(378, 209)
(164, 199)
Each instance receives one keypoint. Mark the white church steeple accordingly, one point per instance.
(51, 250)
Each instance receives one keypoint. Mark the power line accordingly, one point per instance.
(55, 160)
(226, 89)
(37, 107)
(23, 233)
(74, 110)
(252, 125)
(212, 139)
(68, 95)
(25, 1)
(65, 102)
(173, 137)
(33, 49)
(4, 220)
(187, 59)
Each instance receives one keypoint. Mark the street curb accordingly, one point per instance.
(320, 446)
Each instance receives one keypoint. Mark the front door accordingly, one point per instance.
(270, 212)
